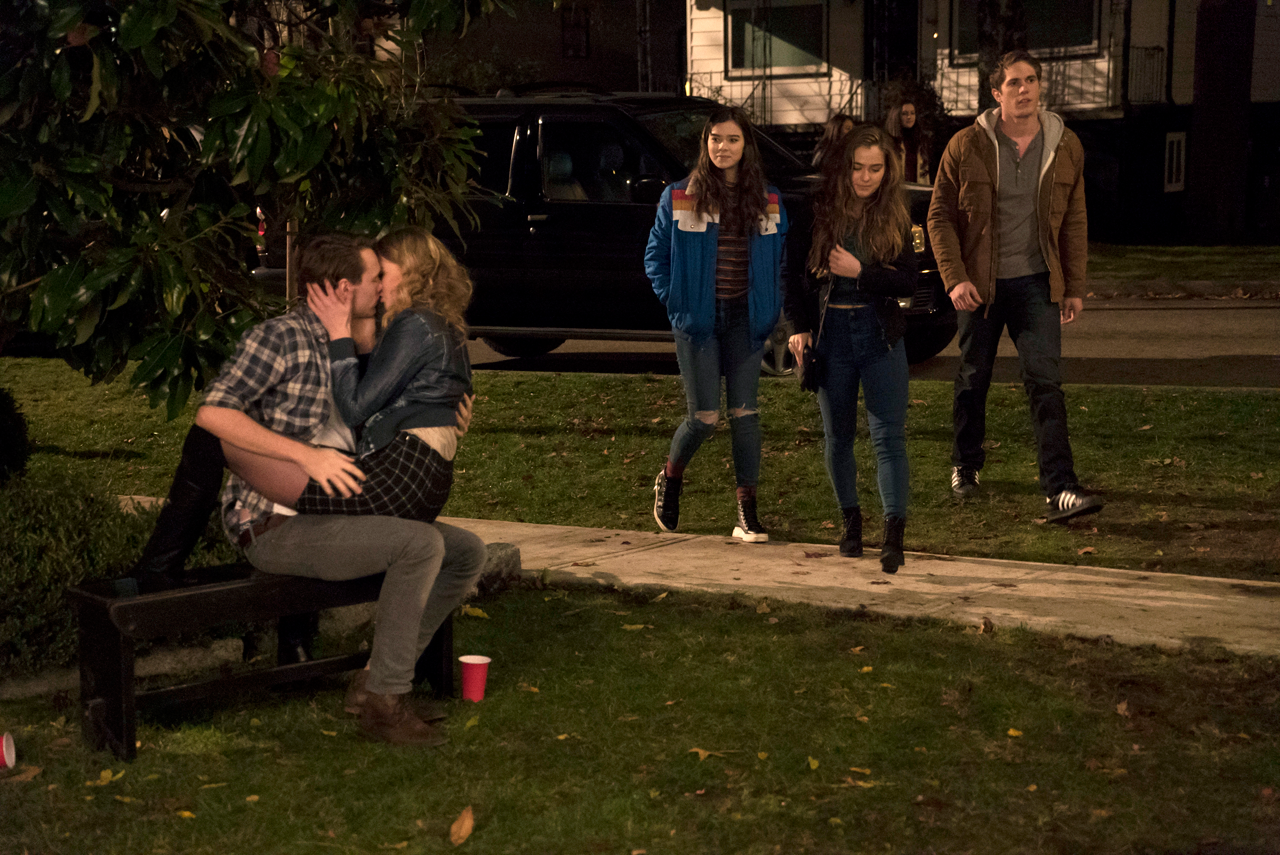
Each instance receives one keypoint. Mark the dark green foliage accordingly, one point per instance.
(138, 138)
(14, 446)
(56, 533)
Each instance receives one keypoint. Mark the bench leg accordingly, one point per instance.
(109, 716)
(435, 665)
(295, 637)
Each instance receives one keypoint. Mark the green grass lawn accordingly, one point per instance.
(1209, 271)
(1186, 472)
(635, 722)
(683, 723)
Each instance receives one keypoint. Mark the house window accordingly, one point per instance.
(575, 31)
(1175, 161)
(781, 36)
(1052, 25)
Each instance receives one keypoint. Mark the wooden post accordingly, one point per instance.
(291, 262)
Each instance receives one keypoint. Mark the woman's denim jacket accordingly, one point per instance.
(417, 374)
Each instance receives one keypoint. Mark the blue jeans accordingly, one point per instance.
(853, 351)
(727, 353)
(1035, 326)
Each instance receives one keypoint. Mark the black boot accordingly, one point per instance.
(193, 496)
(891, 552)
(749, 529)
(851, 541)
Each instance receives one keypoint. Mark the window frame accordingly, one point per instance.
(821, 69)
(957, 59)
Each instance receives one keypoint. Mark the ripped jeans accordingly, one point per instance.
(727, 353)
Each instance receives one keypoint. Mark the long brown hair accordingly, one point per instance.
(707, 183)
(880, 222)
(433, 278)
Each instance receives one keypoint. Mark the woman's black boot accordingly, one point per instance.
(192, 498)
(851, 541)
(891, 552)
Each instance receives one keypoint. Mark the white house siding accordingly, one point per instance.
(787, 100)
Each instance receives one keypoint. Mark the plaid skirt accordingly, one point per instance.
(406, 478)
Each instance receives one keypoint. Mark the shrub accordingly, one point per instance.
(57, 533)
(15, 448)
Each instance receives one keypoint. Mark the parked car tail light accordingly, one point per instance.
(917, 238)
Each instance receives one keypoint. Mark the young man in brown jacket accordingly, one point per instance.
(1009, 231)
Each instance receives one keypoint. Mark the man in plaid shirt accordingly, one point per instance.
(274, 398)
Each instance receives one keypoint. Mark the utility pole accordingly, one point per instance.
(644, 45)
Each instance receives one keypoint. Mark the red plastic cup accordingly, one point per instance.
(8, 756)
(475, 670)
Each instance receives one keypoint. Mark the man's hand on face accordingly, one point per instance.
(333, 307)
(1071, 309)
(965, 297)
(465, 409)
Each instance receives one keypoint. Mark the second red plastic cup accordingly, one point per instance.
(8, 756)
(475, 670)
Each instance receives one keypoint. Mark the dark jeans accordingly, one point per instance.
(853, 352)
(728, 353)
(1035, 326)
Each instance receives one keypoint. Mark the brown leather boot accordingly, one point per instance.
(426, 710)
(386, 718)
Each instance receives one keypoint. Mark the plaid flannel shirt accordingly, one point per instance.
(280, 378)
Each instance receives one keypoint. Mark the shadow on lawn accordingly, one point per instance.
(113, 454)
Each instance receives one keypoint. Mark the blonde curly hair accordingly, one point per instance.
(433, 277)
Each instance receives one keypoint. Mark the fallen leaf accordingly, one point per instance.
(1123, 708)
(857, 649)
(1088, 550)
(866, 669)
(827, 524)
(29, 773)
(635, 626)
(1145, 427)
(1014, 732)
(563, 736)
(186, 814)
(1031, 789)
(472, 722)
(215, 786)
(987, 627)
(1101, 813)
(628, 718)
(525, 687)
(763, 755)
(250, 798)
(835, 820)
(863, 718)
(661, 596)
(813, 762)
(472, 611)
(653, 794)
(817, 554)
(703, 753)
(773, 620)
(763, 608)
(126, 799)
(327, 733)
(859, 771)
(886, 685)
(921, 749)
(462, 826)
(1255, 475)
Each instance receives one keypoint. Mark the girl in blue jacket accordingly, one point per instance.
(715, 260)
(406, 400)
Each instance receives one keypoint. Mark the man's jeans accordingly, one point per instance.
(1035, 326)
(727, 353)
(852, 347)
(430, 568)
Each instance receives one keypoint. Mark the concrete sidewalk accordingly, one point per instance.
(1128, 606)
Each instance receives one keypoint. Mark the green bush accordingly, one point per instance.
(15, 448)
(57, 533)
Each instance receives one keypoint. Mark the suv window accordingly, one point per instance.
(680, 131)
(584, 161)
(494, 154)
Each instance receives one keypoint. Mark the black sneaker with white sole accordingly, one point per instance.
(749, 529)
(1072, 502)
(666, 501)
(964, 481)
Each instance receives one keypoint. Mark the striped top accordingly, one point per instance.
(731, 265)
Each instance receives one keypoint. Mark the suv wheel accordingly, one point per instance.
(519, 346)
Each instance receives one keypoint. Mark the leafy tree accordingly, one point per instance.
(137, 138)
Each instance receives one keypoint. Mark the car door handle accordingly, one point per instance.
(538, 218)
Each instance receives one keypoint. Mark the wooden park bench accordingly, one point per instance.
(112, 622)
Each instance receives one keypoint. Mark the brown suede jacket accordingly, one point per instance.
(962, 216)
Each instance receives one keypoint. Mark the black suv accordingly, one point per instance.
(562, 256)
